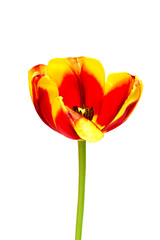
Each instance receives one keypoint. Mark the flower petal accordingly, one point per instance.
(92, 78)
(117, 90)
(51, 109)
(85, 129)
(44, 91)
(34, 96)
(61, 121)
(36, 70)
(61, 72)
(128, 106)
(47, 92)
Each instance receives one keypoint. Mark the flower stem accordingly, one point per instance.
(81, 188)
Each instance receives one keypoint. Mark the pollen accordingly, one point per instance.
(84, 111)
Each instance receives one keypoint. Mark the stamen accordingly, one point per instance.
(75, 108)
(84, 111)
(91, 113)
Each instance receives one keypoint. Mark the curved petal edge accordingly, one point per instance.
(128, 106)
(85, 129)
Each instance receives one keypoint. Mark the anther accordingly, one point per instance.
(84, 111)
(75, 108)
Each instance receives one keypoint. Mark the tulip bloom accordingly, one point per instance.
(72, 97)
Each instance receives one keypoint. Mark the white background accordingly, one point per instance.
(38, 167)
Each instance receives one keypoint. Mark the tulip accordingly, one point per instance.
(72, 97)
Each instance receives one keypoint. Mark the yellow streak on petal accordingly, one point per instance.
(58, 68)
(86, 129)
(51, 87)
(56, 109)
(39, 69)
(134, 96)
(93, 67)
(115, 80)
(95, 118)
(30, 78)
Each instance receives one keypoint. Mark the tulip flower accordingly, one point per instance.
(73, 98)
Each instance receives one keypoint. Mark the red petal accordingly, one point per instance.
(61, 120)
(42, 98)
(45, 108)
(63, 74)
(122, 119)
(64, 126)
(35, 97)
(79, 80)
(38, 70)
(127, 107)
(92, 78)
(117, 89)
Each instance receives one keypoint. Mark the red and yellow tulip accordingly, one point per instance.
(72, 97)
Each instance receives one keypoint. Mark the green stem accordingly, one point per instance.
(81, 191)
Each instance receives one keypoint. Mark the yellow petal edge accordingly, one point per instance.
(85, 129)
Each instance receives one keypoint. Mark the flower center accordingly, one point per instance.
(84, 111)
